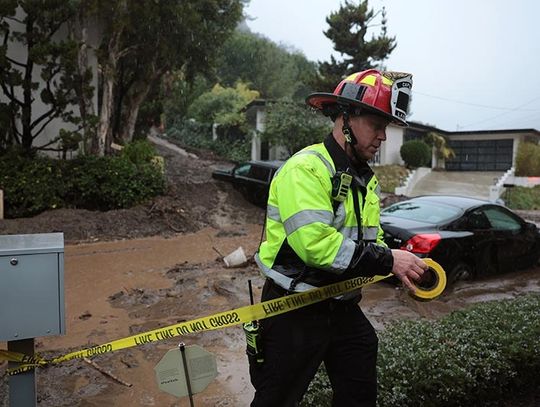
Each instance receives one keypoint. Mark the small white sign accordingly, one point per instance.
(202, 369)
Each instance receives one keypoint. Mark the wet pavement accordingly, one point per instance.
(474, 184)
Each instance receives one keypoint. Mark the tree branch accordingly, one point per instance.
(54, 140)
(11, 94)
(106, 373)
(15, 62)
(13, 19)
(42, 117)
(34, 136)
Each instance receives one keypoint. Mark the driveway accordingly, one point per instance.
(475, 184)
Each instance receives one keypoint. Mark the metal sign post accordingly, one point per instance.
(182, 347)
(22, 387)
(185, 371)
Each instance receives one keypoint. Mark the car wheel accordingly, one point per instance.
(461, 272)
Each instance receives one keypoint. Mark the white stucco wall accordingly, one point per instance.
(18, 52)
(389, 151)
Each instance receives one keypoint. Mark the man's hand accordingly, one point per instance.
(408, 267)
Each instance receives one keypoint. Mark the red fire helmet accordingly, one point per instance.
(382, 93)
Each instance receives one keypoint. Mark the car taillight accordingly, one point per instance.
(423, 244)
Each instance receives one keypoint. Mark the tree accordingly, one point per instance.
(273, 70)
(35, 27)
(222, 105)
(293, 126)
(143, 42)
(348, 29)
(440, 144)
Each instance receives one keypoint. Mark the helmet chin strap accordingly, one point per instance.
(350, 138)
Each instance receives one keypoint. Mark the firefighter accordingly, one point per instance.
(322, 227)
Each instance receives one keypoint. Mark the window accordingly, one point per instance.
(242, 170)
(500, 220)
(423, 211)
(477, 220)
(259, 173)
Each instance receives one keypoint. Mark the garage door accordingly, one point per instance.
(481, 155)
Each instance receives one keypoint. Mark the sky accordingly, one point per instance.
(475, 63)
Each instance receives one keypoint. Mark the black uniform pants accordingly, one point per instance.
(295, 343)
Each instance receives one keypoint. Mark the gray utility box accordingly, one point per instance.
(31, 286)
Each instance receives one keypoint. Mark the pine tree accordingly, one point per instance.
(348, 28)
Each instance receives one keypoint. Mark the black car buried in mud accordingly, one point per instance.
(468, 237)
(251, 178)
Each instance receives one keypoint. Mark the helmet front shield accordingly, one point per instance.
(401, 94)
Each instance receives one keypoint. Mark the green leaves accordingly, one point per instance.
(415, 153)
(528, 160)
(32, 185)
(270, 69)
(348, 29)
(222, 105)
(37, 47)
(294, 126)
(474, 357)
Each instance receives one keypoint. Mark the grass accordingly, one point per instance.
(390, 176)
(522, 198)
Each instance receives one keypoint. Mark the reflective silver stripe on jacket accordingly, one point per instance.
(321, 157)
(370, 233)
(350, 231)
(272, 212)
(285, 282)
(343, 256)
(280, 279)
(307, 217)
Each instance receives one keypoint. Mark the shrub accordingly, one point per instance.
(390, 176)
(522, 198)
(415, 153)
(32, 185)
(470, 357)
(528, 160)
(104, 183)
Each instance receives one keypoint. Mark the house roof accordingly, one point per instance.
(423, 127)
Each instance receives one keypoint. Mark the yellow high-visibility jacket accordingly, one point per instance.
(311, 239)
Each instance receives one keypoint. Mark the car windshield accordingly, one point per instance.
(429, 212)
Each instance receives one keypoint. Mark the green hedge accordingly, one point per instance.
(528, 160)
(415, 153)
(33, 185)
(522, 198)
(472, 357)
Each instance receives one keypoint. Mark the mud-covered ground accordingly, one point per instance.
(130, 271)
(193, 201)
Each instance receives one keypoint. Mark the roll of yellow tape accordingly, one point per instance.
(434, 282)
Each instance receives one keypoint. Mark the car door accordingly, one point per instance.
(511, 240)
(480, 247)
(259, 182)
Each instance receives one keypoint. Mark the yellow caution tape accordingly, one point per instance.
(225, 319)
(435, 282)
